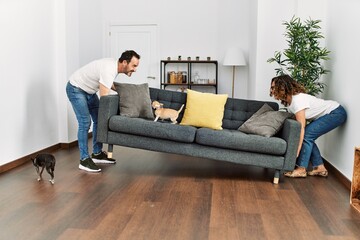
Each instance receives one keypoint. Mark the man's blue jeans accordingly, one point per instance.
(309, 151)
(86, 107)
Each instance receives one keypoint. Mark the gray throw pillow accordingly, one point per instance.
(135, 100)
(265, 122)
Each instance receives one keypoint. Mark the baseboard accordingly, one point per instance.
(53, 148)
(342, 179)
(68, 145)
(3, 168)
(20, 161)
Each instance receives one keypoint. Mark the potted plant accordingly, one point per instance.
(304, 56)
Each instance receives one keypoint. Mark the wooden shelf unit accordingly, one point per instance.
(164, 82)
(355, 183)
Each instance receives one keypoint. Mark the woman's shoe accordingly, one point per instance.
(297, 173)
(317, 172)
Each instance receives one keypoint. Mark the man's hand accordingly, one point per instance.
(104, 90)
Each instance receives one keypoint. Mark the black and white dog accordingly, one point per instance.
(44, 160)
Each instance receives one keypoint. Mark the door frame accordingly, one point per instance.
(107, 44)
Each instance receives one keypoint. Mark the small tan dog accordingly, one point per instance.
(165, 113)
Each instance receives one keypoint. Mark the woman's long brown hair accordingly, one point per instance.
(284, 86)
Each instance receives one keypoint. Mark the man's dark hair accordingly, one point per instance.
(128, 55)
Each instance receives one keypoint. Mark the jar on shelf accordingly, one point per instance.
(172, 77)
(196, 78)
(212, 81)
(178, 77)
(184, 77)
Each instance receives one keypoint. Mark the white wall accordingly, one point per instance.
(191, 28)
(270, 35)
(186, 29)
(29, 93)
(268, 40)
(343, 37)
(90, 30)
(234, 27)
(43, 42)
(72, 62)
(67, 42)
(340, 27)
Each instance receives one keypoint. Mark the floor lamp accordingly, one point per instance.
(234, 57)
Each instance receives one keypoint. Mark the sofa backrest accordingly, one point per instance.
(237, 111)
(170, 99)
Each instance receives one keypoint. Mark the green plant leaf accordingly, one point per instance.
(304, 57)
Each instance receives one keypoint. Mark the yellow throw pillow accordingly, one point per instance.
(204, 109)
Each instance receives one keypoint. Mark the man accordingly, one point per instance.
(81, 90)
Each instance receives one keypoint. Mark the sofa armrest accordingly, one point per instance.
(109, 106)
(291, 134)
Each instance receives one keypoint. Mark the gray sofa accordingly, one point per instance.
(231, 145)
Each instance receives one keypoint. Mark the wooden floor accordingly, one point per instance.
(149, 195)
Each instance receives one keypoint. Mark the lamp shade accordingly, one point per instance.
(234, 57)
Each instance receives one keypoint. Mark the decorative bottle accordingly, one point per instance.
(196, 78)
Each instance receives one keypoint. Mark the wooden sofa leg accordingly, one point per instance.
(110, 150)
(276, 177)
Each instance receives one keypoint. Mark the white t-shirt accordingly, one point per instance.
(89, 77)
(314, 107)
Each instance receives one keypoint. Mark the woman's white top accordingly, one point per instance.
(314, 107)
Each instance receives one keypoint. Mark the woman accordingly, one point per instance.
(316, 116)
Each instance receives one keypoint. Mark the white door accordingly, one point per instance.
(141, 39)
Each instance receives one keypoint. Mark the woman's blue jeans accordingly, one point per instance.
(309, 151)
(86, 107)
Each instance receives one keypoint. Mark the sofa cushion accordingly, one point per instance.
(161, 130)
(265, 122)
(204, 109)
(237, 111)
(134, 100)
(234, 139)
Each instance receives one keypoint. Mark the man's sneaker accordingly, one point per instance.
(88, 165)
(102, 158)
